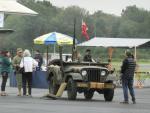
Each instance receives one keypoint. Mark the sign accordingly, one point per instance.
(1, 19)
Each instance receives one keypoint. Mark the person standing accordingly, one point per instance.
(127, 76)
(16, 64)
(5, 70)
(0, 61)
(38, 57)
(28, 63)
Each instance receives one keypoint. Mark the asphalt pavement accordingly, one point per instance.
(37, 104)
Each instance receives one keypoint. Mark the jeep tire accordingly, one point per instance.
(71, 89)
(108, 94)
(88, 94)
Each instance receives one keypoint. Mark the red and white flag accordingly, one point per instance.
(84, 30)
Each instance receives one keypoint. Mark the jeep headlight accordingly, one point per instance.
(103, 73)
(84, 73)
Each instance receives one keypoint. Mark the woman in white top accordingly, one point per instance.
(29, 64)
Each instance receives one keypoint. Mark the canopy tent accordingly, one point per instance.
(114, 42)
(13, 7)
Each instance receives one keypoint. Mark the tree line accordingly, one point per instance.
(134, 22)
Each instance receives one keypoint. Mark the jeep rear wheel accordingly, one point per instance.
(53, 87)
(88, 94)
(71, 89)
(108, 94)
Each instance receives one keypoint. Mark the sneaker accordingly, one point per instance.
(4, 94)
(19, 94)
(134, 102)
(124, 102)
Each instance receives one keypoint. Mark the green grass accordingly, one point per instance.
(117, 65)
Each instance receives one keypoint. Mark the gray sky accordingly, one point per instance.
(107, 6)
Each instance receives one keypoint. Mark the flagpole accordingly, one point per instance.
(74, 38)
(54, 49)
(94, 30)
(47, 56)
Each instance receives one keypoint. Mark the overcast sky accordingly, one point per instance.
(107, 6)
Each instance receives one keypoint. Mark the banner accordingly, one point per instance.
(1, 19)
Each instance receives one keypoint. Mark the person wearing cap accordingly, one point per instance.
(127, 76)
(5, 70)
(88, 56)
(16, 64)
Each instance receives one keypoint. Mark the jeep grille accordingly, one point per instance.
(94, 75)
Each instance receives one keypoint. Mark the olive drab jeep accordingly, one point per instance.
(82, 77)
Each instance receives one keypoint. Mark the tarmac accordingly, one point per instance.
(37, 104)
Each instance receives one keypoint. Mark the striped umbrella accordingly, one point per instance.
(54, 38)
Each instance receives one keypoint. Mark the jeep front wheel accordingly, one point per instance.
(71, 89)
(108, 94)
(88, 94)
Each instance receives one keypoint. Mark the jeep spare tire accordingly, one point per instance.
(53, 87)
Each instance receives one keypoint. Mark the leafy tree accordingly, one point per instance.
(133, 23)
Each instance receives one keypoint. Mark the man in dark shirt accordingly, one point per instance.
(87, 57)
(38, 57)
(127, 72)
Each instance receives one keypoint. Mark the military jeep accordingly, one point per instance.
(82, 77)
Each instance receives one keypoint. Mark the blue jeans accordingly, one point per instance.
(4, 80)
(128, 84)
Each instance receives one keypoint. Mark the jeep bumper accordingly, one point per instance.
(96, 85)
